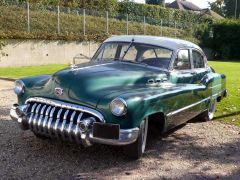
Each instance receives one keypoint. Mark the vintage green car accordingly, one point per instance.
(130, 83)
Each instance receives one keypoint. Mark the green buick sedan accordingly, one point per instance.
(130, 83)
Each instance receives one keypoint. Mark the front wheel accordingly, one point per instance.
(136, 149)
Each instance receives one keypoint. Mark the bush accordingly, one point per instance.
(13, 25)
(226, 39)
(203, 33)
(102, 5)
(159, 12)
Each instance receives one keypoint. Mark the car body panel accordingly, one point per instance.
(179, 95)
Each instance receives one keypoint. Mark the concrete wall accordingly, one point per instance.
(18, 53)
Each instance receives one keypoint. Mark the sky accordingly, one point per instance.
(200, 3)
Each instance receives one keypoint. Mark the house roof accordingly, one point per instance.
(184, 5)
(212, 13)
(169, 43)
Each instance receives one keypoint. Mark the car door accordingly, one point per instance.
(200, 68)
(182, 74)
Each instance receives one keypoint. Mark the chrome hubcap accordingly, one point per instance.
(212, 109)
(144, 134)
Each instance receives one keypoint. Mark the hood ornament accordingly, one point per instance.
(58, 91)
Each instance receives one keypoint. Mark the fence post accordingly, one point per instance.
(28, 17)
(107, 21)
(127, 24)
(144, 21)
(84, 22)
(175, 29)
(58, 25)
(89, 49)
(236, 4)
(161, 27)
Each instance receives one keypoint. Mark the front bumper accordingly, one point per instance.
(69, 132)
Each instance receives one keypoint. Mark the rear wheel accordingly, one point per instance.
(136, 149)
(212, 109)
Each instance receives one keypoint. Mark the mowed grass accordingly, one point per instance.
(18, 72)
(228, 110)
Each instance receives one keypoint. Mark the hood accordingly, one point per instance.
(89, 83)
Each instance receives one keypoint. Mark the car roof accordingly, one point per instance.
(169, 43)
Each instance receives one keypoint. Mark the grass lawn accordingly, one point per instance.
(227, 111)
(30, 70)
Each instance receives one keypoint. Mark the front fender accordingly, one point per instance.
(32, 85)
(142, 102)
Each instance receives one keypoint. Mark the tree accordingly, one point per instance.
(230, 8)
(217, 6)
(156, 2)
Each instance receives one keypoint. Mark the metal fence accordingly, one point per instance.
(64, 20)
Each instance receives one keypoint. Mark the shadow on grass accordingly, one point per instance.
(227, 115)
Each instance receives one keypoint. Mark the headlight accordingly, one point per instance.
(19, 87)
(118, 107)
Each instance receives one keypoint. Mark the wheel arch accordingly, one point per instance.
(157, 121)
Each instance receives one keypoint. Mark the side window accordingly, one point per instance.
(163, 53)
(198, 59)
(148, 54)
(182, 61)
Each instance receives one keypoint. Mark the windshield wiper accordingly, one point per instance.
(125, 52)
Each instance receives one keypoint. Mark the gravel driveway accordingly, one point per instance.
(194, 151)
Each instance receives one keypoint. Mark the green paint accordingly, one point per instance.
(97, 86)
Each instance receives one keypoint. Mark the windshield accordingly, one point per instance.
(134, 53)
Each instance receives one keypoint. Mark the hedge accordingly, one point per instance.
(13, 25)
(226, 39)
(153, 13)
(159, 12)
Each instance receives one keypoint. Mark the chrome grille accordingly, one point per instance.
(58, 119)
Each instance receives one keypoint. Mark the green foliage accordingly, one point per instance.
(13, 25)
(217, 6)
(155, 2)
(103, 5)
(158, 12)
(230, 6)
(202, 33)
(226, 39)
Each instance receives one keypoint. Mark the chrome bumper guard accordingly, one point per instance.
(69, 132)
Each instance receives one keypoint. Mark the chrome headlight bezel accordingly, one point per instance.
(118, 107)
(19, 87)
